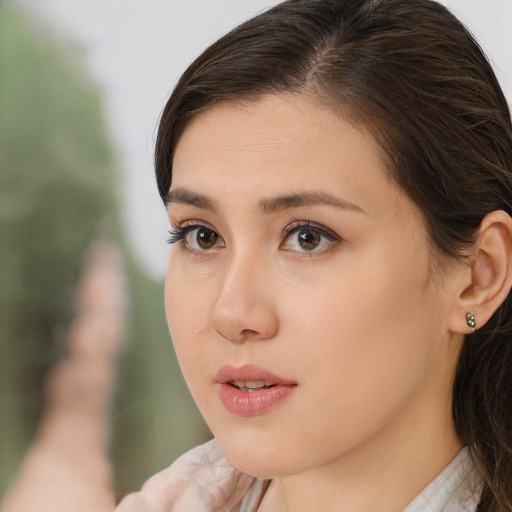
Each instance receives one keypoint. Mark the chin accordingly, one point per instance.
(260, 460)
(256, 466)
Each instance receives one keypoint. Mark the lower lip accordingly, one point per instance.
(246, 403)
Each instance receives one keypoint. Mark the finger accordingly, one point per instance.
(101, 305)
(84, 380)
(135, 502)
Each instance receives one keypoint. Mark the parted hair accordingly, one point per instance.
(410, 73)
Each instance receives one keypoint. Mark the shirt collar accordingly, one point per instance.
(457, 488)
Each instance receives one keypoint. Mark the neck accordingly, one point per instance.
(384, 474)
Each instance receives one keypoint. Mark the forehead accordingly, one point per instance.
(273, 133)
(288, 141)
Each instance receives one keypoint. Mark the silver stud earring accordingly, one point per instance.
(471, 321)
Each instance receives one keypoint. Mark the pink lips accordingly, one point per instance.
(250, 391)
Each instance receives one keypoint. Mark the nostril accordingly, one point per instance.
(248, 333)
(240, 336)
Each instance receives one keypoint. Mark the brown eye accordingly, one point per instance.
(206, 238)
(305, 236)
(308, 239)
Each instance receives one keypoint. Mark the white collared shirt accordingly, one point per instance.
(457, 488)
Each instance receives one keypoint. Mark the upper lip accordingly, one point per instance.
(249, 373)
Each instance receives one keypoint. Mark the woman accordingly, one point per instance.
(338, 180)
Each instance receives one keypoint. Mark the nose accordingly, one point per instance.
(245, 307)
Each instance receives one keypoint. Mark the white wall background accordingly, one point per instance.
(136, 50)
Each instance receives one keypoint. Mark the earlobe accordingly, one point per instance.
(489, 274)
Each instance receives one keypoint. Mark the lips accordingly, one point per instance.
(250, 391)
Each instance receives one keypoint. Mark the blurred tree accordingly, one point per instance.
(57, 197)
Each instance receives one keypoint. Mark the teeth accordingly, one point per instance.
(250, 385)
(254, 384)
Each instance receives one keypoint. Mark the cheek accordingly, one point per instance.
(363, 341)
(187, 311)
(188, 297)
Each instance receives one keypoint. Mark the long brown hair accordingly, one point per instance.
(411, 73)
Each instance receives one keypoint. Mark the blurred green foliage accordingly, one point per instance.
(58, 196)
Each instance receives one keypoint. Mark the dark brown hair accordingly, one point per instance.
(411, 74)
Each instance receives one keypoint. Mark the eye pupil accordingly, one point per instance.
(308, 240)
(206, 238)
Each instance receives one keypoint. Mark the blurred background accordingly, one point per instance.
(82, 84)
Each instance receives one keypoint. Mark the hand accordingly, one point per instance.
(67, 466)
(202, 480)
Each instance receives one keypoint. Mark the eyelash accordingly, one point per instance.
(299, 225)
(178, 234)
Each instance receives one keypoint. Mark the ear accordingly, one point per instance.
(488, 278)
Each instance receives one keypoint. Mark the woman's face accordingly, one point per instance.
(305, 315)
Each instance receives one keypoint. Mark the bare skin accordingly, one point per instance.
(295, 254)
(67, 467)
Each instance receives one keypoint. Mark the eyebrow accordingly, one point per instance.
(185, 196)
(306, 199)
